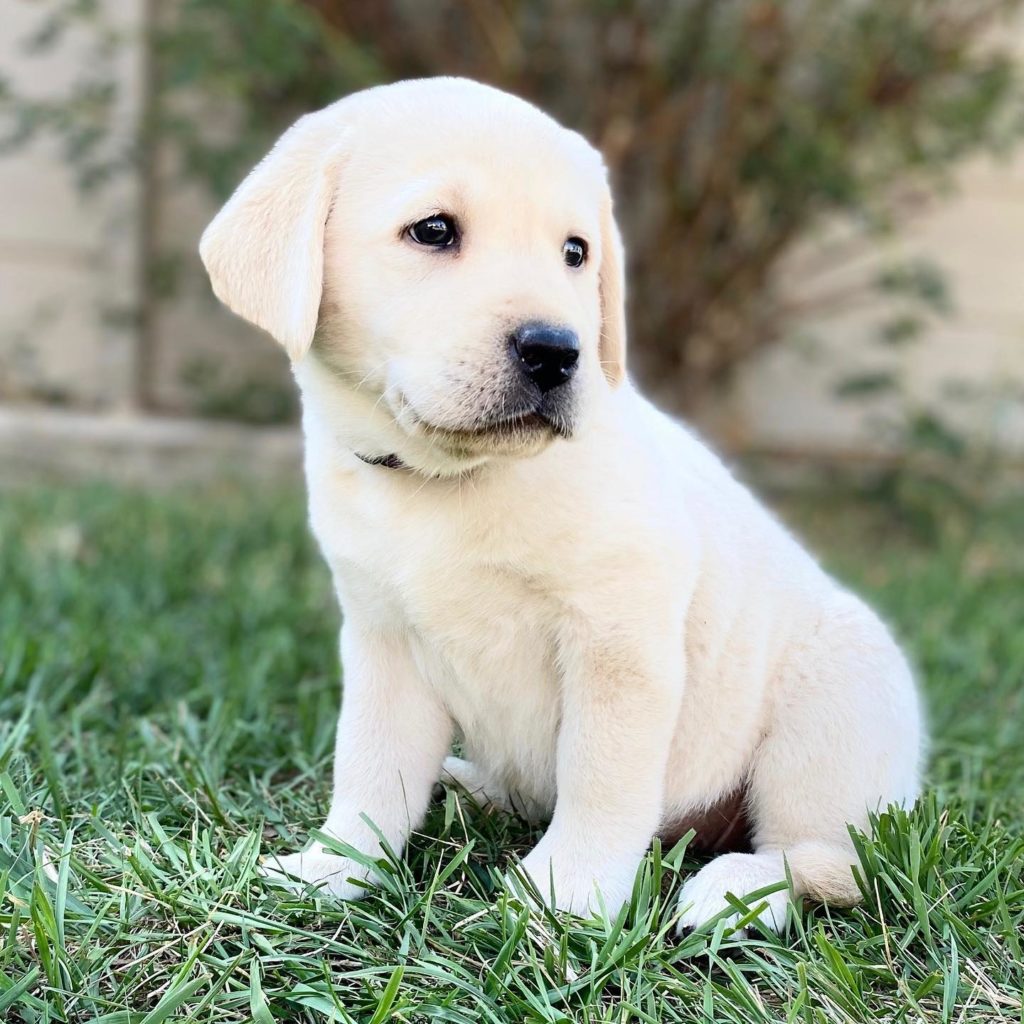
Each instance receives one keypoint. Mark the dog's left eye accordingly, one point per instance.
(438, 232)
(574, 252)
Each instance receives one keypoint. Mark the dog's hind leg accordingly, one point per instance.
(844, 739)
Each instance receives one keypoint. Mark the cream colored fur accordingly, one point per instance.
(615, 628)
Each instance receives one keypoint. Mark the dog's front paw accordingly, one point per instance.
(317, 868)
(703, 897)
(575, 885)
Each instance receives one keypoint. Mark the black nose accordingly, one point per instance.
(547, 354)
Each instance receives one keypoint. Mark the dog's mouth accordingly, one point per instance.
(505, 424)
(514, 426)
(507, 430)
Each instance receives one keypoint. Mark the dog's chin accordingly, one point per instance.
(474, 437)
(517, 436)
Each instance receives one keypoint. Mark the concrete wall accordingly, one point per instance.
(969, 365)
(201, 352)
(76, 322)
(69, 276)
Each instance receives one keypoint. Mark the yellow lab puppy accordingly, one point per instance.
(527, 553)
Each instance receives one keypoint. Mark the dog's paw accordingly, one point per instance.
(318, 869)
(703, 897)
(574, 885)
(485, 793)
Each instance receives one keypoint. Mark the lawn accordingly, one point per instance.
(168, 692)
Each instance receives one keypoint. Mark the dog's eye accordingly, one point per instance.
(574, 252)
(438, 232)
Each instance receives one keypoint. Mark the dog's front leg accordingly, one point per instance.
(622, 689)
(392, 737)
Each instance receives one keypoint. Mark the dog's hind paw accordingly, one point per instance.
(485, 793)
(741, 875)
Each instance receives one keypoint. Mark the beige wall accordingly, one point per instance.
(193, 335)
(786, 398)
(68, 266)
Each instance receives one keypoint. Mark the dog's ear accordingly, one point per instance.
(264, 251)
(612, 284)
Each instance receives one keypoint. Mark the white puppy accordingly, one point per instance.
(526, 552)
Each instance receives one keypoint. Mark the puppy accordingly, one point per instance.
(527, 554)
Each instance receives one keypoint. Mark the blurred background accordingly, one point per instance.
(823, 203)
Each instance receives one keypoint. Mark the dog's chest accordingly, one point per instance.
(480, 615)
(487, 647)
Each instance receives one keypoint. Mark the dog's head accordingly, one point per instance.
(448, 251)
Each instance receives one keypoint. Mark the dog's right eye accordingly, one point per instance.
(438, 232)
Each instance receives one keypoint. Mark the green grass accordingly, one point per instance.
(168, 692)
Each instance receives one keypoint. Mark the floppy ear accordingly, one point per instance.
(612, 285)
(264, 251)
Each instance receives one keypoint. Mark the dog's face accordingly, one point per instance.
(444, 248)
(458, 278)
